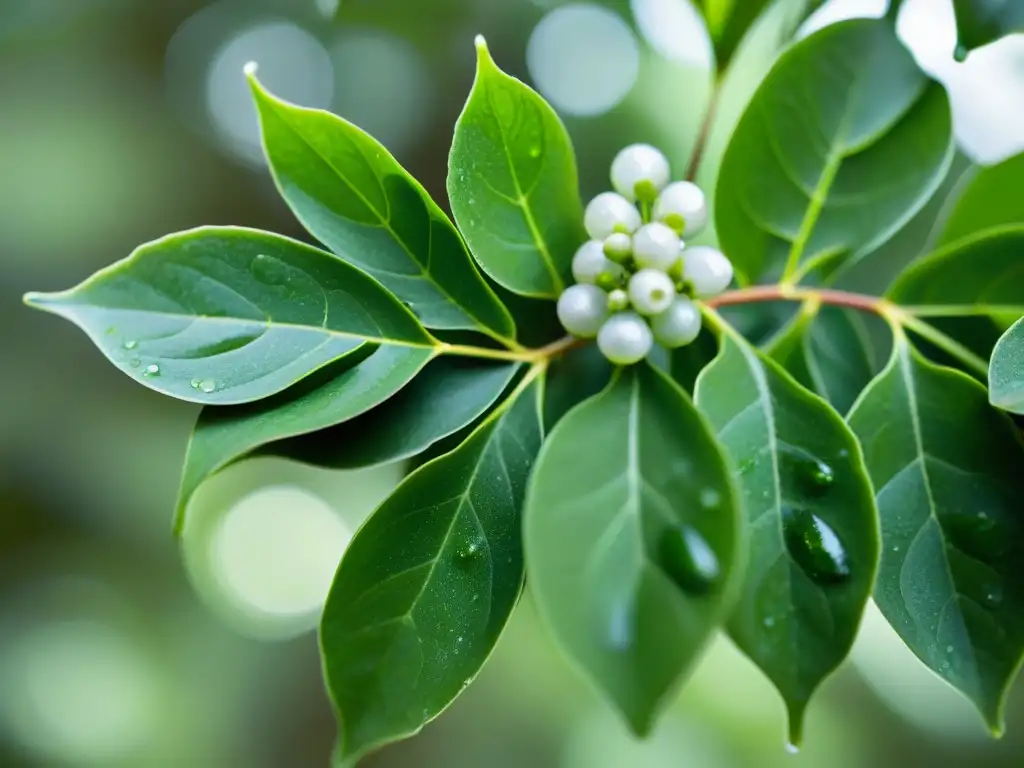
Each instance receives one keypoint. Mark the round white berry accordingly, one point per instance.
(682, 206)
(618, 300)
(707, 270)
(590, 262)
(582, 308)
(656, 246)
(625, 338)
(651, 291)
(608, 213)
(618, 246)
(678, 325)
(640, 172)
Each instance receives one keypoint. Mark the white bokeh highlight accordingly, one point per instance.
(293, 64)
(675, 30)
(583, 58)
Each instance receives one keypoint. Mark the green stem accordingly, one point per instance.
(961, 310)
(932, 334)
(522, 355)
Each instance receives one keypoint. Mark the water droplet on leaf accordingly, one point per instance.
(814, 546)
(469, 551)
(710, 498)
(769, 621)
(207, 385)
(135, 362)
(792, 748)
(620, 626)
(152, 370)
(960, 53)
(994, 595)
(130, 344)
(688, 559)
(949, 649)
(535, 150)
(195, 383)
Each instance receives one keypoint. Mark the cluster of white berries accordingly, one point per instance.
(635, 279)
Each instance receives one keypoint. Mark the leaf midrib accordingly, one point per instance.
(523, 203)
(385, 223)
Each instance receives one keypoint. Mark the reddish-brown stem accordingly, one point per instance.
(705, 131)
(794, 293)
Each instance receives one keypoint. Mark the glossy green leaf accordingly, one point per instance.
(448, 395)
(985, 198)
(980, 22)
(1006, 371)
(513, 186)
(946, 468)
(631, 530)
(429, 581)
(979, 275)
(808, 176)
(829, 351)
(576, 376)
(686, 363)
(729, 21)
(223, 315)
(813, 543)
(354, 197)
(223, 435)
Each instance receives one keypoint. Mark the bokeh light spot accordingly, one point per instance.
(675, 30)
(583, 58)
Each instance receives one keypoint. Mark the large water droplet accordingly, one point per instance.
(152, 370)
(208, 386)
(792, 748)
(815, 546)
(688, 559)
(469, 551)
(960, 53)
(813, 475)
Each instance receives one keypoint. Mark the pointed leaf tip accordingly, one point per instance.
(250, 69)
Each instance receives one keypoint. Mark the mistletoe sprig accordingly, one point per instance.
(765, 490)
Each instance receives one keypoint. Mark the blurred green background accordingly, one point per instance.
(122, 120)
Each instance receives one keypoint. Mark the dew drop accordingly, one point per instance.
(688, 559)
(135, 362)
(792, 748)
(822, 475)
(130, 344)
(207, 385)
(949, 649)
(994, 595)
(710, 498)
(459, 639)
(896, 548)
(960, 53)
(769, 621)
(152, 370)
(815, 546)
(535, 150)
(469, 551)
(746, 466)
(195, 383)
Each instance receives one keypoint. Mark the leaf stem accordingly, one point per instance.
(521, 355)
(705, 130)
(781, 292)
(932, 334)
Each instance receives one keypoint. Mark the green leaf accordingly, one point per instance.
(946, 468)
(980, 22)
(980, 275)
(631, 531)
(829, 351)
(1006, 371)
(223, 435)
(813, 543)
(513, 186)
(223, 315)
(354, 197)
(448, 395)
(429, 581)
(729, 21)
(577, 375)
(808, 176)
(986, 197)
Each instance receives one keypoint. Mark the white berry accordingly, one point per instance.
(682, 206)
(590, 261)
(707, 270)
(678, 325)
(625, 338)
(657, 246)
(618, 246)
(651, 291)
(608, 213)
(640, 172)
(582, 308)
(618, 300)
